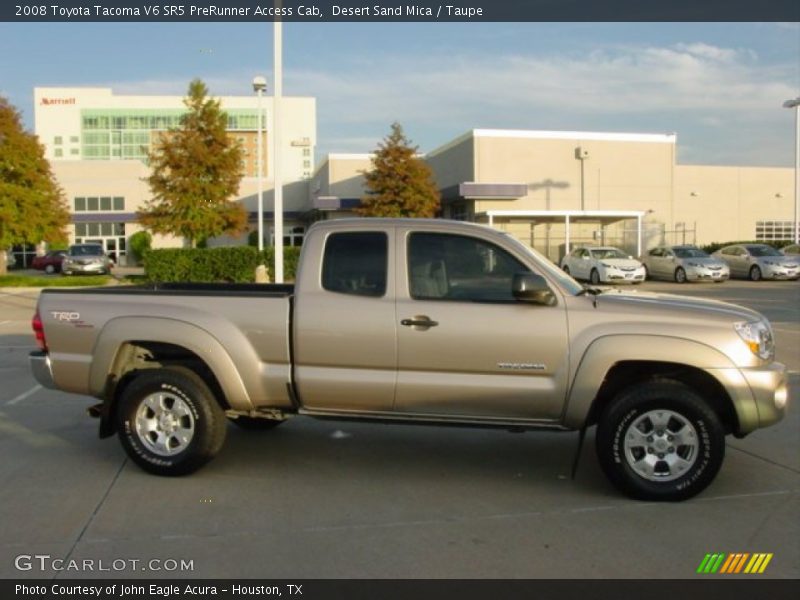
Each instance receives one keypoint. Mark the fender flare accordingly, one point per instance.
(120, 331)
(607, 351)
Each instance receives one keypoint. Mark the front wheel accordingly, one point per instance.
(169, 421)
(755, 273)
(566, 269)
(594, 277)
(680, 275)
(49, 269)
(660, 440)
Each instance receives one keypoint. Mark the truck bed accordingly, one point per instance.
(269, 290)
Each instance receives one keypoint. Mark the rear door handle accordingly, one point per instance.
(419, 321)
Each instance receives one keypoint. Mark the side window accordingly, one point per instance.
(455, 267)
(356, 263)
(656, 252)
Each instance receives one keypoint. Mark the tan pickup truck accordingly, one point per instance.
(424, 322)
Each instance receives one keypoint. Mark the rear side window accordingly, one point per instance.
(356, 263)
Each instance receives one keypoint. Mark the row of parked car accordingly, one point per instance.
(682, 263)
(79, 258)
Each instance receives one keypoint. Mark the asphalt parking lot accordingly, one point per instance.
(316, 499)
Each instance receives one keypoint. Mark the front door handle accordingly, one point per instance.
(419, 321)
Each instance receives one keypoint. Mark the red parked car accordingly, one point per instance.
(50, 262)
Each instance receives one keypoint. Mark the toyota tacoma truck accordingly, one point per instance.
(418, 321)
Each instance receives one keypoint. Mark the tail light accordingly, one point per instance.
(38, 331)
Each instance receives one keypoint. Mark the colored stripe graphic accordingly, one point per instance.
(738, 562)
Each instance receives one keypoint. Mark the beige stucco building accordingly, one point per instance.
(624, 189)
(550, 189)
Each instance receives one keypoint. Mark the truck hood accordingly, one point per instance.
(655, 302)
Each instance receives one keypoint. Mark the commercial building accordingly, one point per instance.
(550, 189)
(97, 142)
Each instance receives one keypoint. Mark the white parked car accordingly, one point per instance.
(603, 264)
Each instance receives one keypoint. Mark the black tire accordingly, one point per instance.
(680, 275)
(594, 277)
(179, 385)
(255, 423)
(624, 417)
(755, 273)
(646, 273)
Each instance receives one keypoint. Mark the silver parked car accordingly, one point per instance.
(684, 263)
(603, 264)
(86, 258)
(791, 250)
(759, 261)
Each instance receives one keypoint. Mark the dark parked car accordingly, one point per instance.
(86, 258)
(50, 262)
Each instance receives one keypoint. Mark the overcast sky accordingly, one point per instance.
(718, 86)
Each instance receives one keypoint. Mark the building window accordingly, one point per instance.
(773, 231)
(58, 140)
(74, 151)
(74, 139)
(58, 153)
(105, 203)
(119, 203)
(80, 204)
(92, 204)
(307, 164)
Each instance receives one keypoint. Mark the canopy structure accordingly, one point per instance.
(567, 218)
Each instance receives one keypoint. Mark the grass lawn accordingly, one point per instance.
(73, 281)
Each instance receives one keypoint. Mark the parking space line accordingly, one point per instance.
(24, 395)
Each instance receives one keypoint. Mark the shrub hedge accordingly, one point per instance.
(235, 264)
(713, 247)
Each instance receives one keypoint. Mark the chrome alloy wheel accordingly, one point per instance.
(165, 424)
(661, 445)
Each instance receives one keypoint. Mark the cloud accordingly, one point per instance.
(691, 87)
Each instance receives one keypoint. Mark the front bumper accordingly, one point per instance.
(618, 276)
(42, 369)
(760, 394)
(90, 268)
(780, 272)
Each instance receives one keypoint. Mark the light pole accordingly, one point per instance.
(795, 104)
(276, 135)
(259, 87)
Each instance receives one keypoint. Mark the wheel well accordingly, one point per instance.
(136, 356)
(627, 373)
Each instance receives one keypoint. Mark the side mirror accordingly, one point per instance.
(532, 288)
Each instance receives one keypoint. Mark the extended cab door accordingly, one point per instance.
(466, 347)
(345, 331)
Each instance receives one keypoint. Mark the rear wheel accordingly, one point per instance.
(49, 269)
(755, 273)
(660, 440)
(594, 277)
(680, 275)
(169, 421)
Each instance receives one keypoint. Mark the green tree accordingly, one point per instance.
(196, 169)
(32, 205)
(399, 184)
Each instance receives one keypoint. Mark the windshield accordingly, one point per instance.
(90, 250)
(607, 253)
(762, 251)
(568, 283)
(689, 253)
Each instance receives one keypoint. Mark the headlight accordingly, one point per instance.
(607, 266)
(758, 337)
(770, 262)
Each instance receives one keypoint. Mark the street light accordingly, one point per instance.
(795, 104)
(259, 87)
